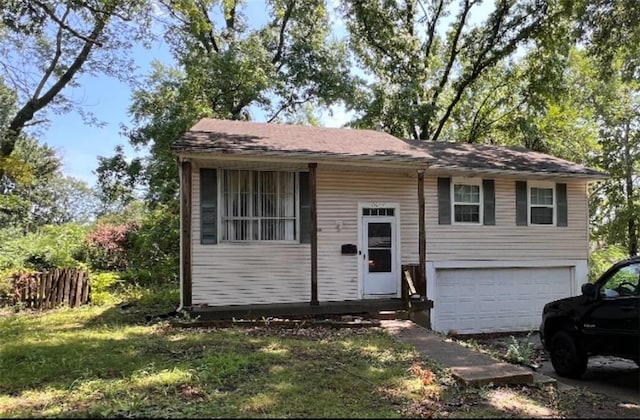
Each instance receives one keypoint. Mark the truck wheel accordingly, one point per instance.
(567, 359)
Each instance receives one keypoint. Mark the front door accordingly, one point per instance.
(379, 254)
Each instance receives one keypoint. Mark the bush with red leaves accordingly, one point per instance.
(109, 244)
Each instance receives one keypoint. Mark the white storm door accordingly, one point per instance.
(379, 256)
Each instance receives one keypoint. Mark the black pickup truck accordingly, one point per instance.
(604, 320)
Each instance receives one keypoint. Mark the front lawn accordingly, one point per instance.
(91, 363)
(109, 361)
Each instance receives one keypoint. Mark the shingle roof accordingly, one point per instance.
(243, 137)
(223, 136)
(502, 159)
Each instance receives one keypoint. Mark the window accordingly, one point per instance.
(541, 204)
(467, 199)
(258, 206)
(624, 282)
(378, 212)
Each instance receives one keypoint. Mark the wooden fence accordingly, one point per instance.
(51, 288)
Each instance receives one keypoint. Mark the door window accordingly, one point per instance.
(379, 247)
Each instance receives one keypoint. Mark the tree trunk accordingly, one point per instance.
(628, 169)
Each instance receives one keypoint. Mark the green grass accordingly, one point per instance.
(107, 362)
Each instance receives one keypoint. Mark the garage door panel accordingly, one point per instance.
(496, 299)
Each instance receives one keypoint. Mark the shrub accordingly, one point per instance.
(155, 248)
(109, 244)
(104, 286)
(61, 246)
(145, 251)
(5, 286)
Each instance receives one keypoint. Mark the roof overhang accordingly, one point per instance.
(300, 160)
(464, 171)
(303, 158)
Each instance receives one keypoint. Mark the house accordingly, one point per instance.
(287, 216)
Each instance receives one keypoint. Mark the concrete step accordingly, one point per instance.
(387, 315)
(540, 379)
(497, 373)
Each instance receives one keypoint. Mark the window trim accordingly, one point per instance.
(554, 206)
(467, 181)
(221, 204)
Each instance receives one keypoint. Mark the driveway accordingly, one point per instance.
(612, 376)
(617, 378)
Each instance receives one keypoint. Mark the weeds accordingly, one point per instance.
(520, 351)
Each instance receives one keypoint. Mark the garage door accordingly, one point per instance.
(482, 300)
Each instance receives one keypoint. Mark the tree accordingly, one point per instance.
(553, 115)
(422, 59)
(46, 44)
(117, 179)
(230, 67)
(35, 193)
(607, 29)
(618, 198)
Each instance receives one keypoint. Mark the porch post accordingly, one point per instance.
(314, 233)
(422, 245)
(185, 210)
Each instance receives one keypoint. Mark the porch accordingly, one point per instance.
(304, 309)
(412, 301)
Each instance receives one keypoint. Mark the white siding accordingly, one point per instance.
(254, 273)
(505, 240)
(246, 273)
(338, 197)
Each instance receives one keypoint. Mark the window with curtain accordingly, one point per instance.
(258, 206)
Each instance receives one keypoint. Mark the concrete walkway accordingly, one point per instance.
(467, 365)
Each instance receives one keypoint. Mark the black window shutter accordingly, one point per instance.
(208, 206)
(521, 203)
(305, 209)
(444, 201)
(561, 191)
(489, 193)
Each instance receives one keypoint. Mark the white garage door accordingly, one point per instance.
(483, 300)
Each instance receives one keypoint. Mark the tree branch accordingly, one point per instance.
(487, 58)
(61, 22)
(431, 27)
(369, 36)
(32, 106)
(283, 27)
(211, 35)
(56, 57)
(453, 52)
(286, 105)
(230, 18)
